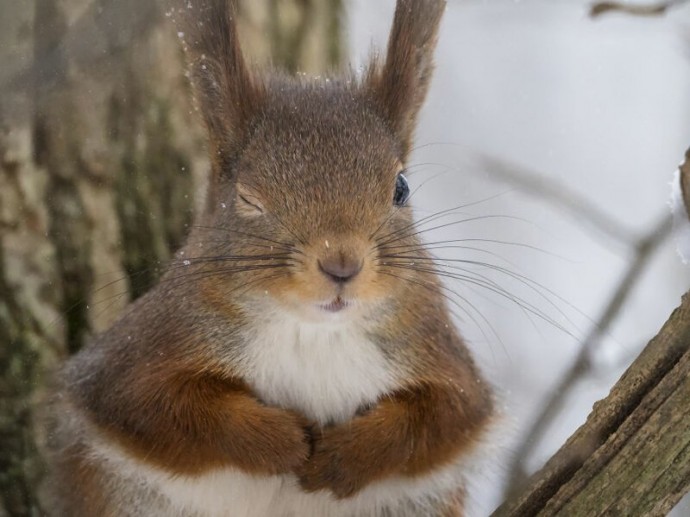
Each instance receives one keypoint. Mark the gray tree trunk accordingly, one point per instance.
(101, 164)
(632, 455)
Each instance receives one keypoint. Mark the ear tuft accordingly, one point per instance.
(227, 93)
(399, 87)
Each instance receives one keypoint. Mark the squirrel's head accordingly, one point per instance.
(308, 192)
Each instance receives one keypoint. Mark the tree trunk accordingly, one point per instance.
(102, 165)
(632, 456)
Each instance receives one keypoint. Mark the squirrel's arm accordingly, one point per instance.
(187, 424)
(409, 433)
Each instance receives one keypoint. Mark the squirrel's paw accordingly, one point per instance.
(280, 442)
(334, 464)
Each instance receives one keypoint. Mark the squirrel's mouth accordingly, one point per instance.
(337, 305)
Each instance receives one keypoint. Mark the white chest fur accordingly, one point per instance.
(325, 371)
(149, 491)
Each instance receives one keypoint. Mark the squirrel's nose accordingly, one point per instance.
(341, 268)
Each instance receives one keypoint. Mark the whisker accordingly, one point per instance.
(177, 265)
(226, 270)
(397, 208)
(446, 225)
(285, 245)
(288, 229)
(428, 245)
(491, 286)
(523, 279)
(421, 248)
(442, 213)
(197, 275)
(415, 168)
(258, 281)
(230, 258)
(271, 247)
(431, 287)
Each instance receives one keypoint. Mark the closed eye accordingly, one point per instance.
(248, 202)
(255, 205)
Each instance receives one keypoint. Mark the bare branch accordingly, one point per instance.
(560, 195)
(582, 365)
(655, 9)
(685, 181)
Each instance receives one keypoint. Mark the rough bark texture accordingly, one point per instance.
(632, 456)
(101, 164)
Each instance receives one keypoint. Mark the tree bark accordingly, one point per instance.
(102, 165)
(632, 456)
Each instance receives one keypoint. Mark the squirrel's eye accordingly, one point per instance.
(248, 202)
(402, 190)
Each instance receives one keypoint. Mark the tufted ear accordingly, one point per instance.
(399, 86)
(227, 93)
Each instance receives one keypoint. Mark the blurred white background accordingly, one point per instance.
(599, 106)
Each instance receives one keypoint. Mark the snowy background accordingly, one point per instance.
(600, 106)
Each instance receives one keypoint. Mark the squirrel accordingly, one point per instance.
(293, 364)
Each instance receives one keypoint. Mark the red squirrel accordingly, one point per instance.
(289, 363)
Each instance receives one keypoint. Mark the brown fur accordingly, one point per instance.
(91, 498)
(439, 415)
(171, 406)
(216, 423)
(303, 171)
(228, 94)
(409, 433)
(401, 84)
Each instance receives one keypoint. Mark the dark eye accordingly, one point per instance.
(402, 190)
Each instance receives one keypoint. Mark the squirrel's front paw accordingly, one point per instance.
(334, 464)
(277, 442)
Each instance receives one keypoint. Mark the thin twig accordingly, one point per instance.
(654, 9)
(560, 195)
(582, 365)
(685, 181)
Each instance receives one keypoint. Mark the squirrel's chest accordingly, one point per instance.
(325, 372)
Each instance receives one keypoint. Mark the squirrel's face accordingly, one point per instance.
(307, 196)
(315, 195)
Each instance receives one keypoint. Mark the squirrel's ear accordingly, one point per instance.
(400, 85)
(227, 93)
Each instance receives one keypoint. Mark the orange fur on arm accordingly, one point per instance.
(411, 433)
(188, 424)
